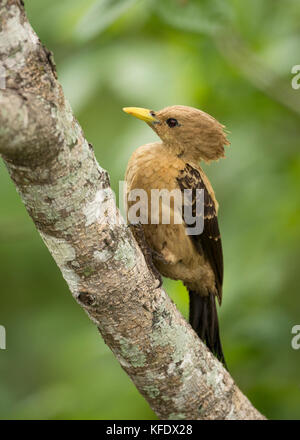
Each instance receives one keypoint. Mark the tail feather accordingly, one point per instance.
(204, 320)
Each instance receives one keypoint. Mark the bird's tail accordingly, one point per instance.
(204, 320)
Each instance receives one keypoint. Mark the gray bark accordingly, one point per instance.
(68, 196)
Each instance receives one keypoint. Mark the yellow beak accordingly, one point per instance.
(141, 113)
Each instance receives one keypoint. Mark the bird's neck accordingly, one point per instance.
(183, 153)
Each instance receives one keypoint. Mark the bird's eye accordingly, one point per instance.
(152, 113)
(172, 122)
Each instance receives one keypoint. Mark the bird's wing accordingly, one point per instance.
(209, 241)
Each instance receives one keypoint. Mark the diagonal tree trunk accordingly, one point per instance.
(68, 196)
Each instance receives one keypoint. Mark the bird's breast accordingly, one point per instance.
(153, 167)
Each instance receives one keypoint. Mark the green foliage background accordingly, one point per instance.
(232, 59)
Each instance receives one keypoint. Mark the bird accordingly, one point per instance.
(188, 137)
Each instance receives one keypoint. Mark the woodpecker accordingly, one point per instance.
(188, 136)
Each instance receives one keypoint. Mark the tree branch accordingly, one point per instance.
(68, 196)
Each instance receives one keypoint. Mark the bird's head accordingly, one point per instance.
(190, 133)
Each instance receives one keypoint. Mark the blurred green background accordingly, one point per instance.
(232, 59)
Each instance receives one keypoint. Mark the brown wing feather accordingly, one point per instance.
(209, 242)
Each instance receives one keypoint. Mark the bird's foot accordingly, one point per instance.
(149, 253)
(158, 256)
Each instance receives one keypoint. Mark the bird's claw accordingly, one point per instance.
(149, 253)
(157, 256)
(160, 281)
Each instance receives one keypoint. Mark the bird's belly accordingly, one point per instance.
(180, 260)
